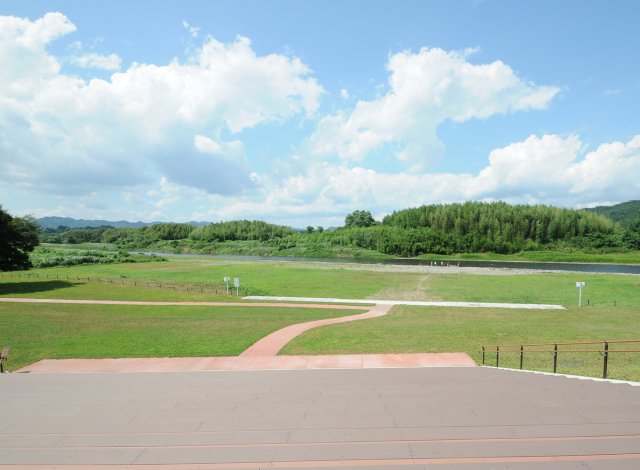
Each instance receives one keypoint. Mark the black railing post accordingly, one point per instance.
(606, 360)
(497, 356)
(555, 358)
(521, 355)
(482, 355)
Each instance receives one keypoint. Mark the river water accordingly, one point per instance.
(578, 267)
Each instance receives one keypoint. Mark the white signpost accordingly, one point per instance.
(236, 283)
(226, 281)
(580, 285)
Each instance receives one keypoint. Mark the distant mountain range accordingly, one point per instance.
(624, 213)
(55, 222)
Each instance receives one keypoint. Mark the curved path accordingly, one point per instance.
(260, 356)
(271, 344)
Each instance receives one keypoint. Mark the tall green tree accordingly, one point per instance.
(18, 237)
(359, 218)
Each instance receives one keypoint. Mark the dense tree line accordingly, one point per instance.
(498, 226)
(63, 234)
(240, 230)
(218, 232)
(471, 227)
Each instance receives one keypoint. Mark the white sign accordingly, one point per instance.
(227, 279)
(580, 285)
(236, 282)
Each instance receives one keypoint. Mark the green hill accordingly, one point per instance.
(623, 213)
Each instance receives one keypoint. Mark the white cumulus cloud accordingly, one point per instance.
(549, 169)
(62, 134)
(425, 89)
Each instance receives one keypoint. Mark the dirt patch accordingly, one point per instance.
(394, 268)
(418, 290)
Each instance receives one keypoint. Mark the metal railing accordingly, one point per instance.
(521, 349)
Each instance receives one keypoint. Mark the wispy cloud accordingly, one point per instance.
(110, 62)
(612, 91)
(192, 30)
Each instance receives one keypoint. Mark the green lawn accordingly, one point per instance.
(431, 329)
(257, 278)
(55, 331)
(547, 288)
(613, 311)
(304, 279)
(114, 289)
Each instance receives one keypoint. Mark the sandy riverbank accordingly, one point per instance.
(452, 269)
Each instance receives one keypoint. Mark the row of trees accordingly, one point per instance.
(491, 227)
(74, 236)
(499, 220)
(441, 229)
(212, 233)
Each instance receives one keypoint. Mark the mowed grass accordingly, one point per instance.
(256, 278)
(409, 329)
(611, 311)
(543, 288)
(93, 290)
(309, 279)
(57, 331)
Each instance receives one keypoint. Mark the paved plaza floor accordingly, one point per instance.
(459, 417)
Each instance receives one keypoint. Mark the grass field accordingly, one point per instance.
(613, 312)
(55, 331)
(257, 278)
(549, 288)
(432, 329)
(315, 280)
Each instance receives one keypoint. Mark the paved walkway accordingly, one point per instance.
(440, 418)
(250, 362)
(271, 344)
(309, 302)
(420, 303)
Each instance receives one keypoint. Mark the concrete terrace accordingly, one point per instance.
(480, 418)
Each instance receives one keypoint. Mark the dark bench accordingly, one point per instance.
(3, 357)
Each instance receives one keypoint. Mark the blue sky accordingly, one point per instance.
(301, 112)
